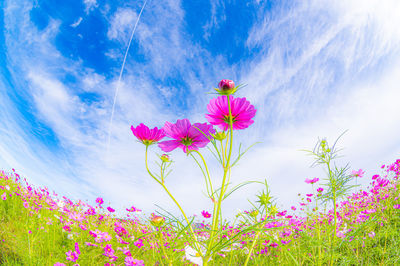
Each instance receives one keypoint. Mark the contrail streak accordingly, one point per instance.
(119, 79)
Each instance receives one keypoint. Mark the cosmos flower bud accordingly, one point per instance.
(165, 158)
(157, 221)
(219, 135)
(226, 87)
(226, 84)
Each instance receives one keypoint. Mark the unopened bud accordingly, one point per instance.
(165, 158)
(157, 221)
(219, 135)
(226, 87)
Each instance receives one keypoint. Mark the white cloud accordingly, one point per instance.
(218, 16)
(122, 24)
(76, 23)
(90, 5)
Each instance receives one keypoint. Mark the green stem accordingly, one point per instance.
(176, 203)
(162, 246)
(253, 244)
(217, 210)
(208, 173)
(333, 187)
(205, 177)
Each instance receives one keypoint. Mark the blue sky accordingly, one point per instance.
(312, 69)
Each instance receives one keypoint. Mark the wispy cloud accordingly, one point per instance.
(90, 5)
(76, 23)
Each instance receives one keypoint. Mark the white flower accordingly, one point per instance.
(7, 187)
(193, 256)
(70, 236)
(60, 204)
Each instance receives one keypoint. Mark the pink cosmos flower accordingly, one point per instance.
(396, 206)
(133, 209)
(108, 250)
(241, 109)
(76, 216)
(78, 251)
(99, 201)
(129, 261)
(358, 173)
(185, 135)
(206, 214)
(320, 189)
(312, 181)
(110, 209)
(148, 136)
(139, 243)
(67, 228)
(274, 245)
(4, 196)
(72, 256)
(120, 230)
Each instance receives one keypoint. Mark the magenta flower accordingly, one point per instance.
(206, 214)
(148, 136)
(312, 181)
(186, 136)
(133, 209)
(129, 261)
(78, 251)
(99, 201)
(320, 189)
(72, 256)
(110, 209)
(67, 228)
(108, 250)
(358, 173)
(4, 196)
(241, 109)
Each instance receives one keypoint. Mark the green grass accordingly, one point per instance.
(368, 227)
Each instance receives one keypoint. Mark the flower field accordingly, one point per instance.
(39, 228)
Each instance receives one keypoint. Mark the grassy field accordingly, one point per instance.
(39, 228)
